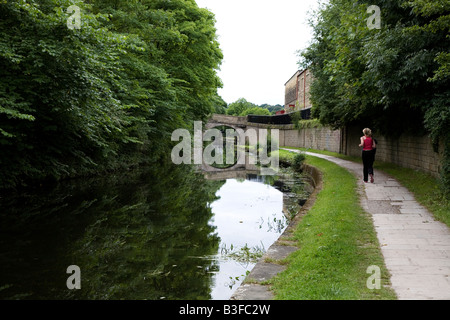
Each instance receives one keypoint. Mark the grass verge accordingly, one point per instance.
(425, 187)
(337, 244)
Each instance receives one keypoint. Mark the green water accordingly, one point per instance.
(154, 233)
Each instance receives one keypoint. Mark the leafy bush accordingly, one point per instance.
(255, 111)
(297, 163)
(107, 95)
(394, 79)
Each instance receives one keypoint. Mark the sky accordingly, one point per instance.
(259, 40)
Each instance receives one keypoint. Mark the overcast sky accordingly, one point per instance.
(259, 40)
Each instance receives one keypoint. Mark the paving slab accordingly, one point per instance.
(252, 292)
(415, 246)
(279, 252)
(263, 271)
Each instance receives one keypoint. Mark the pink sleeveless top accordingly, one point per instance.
(368, 142)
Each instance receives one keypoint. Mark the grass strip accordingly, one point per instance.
(337, 244)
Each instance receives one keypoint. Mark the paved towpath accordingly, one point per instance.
(416, 247)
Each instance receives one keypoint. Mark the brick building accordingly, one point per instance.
(297, 91)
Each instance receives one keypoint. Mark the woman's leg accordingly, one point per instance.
(370, 164)
(365, 160)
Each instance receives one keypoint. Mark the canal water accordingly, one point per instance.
(151, 233)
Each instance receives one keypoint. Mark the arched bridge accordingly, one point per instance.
(234, 122)
(245, 131)
(255, 120)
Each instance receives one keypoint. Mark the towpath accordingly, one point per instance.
(416, 247)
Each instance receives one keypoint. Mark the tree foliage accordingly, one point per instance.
(395, 79)
(109, 94)
(256, 111)
(242, 107)
(124, 231)
(273, 109)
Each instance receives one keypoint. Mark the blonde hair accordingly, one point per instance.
(367, 132)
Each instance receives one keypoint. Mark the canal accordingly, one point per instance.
(151, 233)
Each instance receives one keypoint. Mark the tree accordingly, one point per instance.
(394, 79)
(255, 111)
(77, 101)
(242, 108)
(272, 108)
(175, 76)
(238, 107)
(220, 106)
(57, 100)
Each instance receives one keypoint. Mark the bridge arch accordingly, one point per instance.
(233, 122)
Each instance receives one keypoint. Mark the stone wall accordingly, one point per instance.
(291, 94)
(229, 120)
(297, 91)
(314, 138)
(304, 83)
(406, 151)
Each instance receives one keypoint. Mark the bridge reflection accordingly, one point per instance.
(295, 189)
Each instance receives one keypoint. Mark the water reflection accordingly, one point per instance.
(153, 233)
(249, 218)
(133, 236)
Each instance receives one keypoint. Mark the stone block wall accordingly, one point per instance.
(314, 138)
(291, 94)
(415, 152)
(406, 151)
(297, 90)
(229, 120)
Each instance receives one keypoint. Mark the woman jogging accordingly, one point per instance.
(368, 145)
